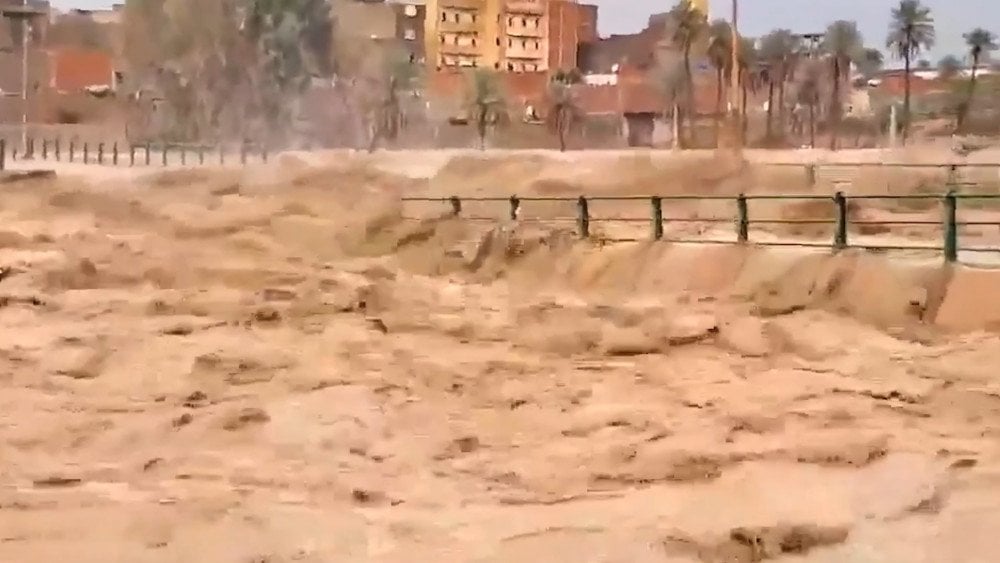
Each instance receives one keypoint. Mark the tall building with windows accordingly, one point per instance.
(506, 35)
(462, 34)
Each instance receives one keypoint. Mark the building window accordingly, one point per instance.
(474, 42)
(444, 16)
(524, 22)
(498, 41)
(510, 67)
(473, 18)
(458, 17)
(409, 34)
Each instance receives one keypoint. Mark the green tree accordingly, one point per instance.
(564, 111)
(842, 44)
(949, 67)
(809, 94)
(778, 53)
(910, 33)
(720, 53)
(385, 86)
(748, 60)
(688, 25)
(484, 102)
(226, 65)
(870, 63)
(980, 41)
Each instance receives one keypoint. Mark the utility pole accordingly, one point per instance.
(24, 81)
(734, 87)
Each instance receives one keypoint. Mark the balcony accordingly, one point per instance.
(525, 7)
(525, 31)
(461, 5)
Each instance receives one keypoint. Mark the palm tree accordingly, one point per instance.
(910, 33)
(949, 67)
(980, 41)
(484, 102)
(689, 25)
(563, 109)
(720, 53)
(777, 52)
(842, 43)
(808, 95)
(750, 73)
(395, 76)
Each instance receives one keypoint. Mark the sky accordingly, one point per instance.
(952, 17)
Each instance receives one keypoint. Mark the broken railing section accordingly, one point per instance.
(840, 219)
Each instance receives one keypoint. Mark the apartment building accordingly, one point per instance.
(462, 34)
(524, 36)
(506, 35)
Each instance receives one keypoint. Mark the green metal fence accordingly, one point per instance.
(122, 154)
(743, 218)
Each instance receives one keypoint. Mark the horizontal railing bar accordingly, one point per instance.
(900, 223)
(749, 197)
(791, 221)
(821, 165)
(978, 249)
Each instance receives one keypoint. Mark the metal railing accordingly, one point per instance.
(115, 154)
(743, 220)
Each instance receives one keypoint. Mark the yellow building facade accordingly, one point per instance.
(506, 35)
(700, 5)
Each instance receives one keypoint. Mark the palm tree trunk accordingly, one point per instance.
(835, 105)
(690, 94)
(964, 114)
(812, 125)
(744, 122)
(781, 104)
(481, 128)
(770, 108)
(906, 94)
(718, 107)
(561, 128)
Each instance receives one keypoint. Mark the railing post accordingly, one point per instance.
(45, 149)
(263, 152)
(742, 219)
(201, 154)
(29, 150)
(840, 234)
(131, 154)
(952, 176)
(950, 227)
(163, 154)
(243, 153)
(149, 151)
(811, 175)
(515, 207)
(456, 205)
(656, 216)
(183, 155)
(86, 153)
(583, 217)
(3, 154)
(58, 149)
(100, 153)
(222, 154)
(72, 150)
(114, 153)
